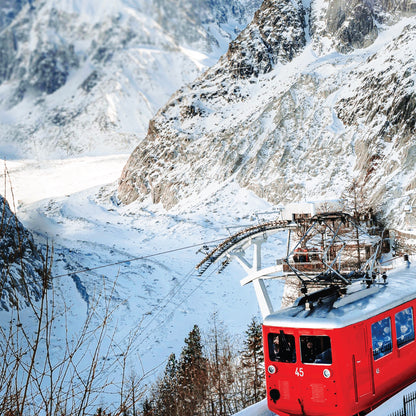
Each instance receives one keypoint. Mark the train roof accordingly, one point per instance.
(358, 304)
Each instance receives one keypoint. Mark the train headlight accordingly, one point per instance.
(327, 373)
(271, 369)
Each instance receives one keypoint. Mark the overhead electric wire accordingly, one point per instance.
(135, 259)
(86, 270)
(143, 332)
(169, 298)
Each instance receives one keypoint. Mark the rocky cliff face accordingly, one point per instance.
(86, 77)
(21, 264)
(346, 26)
(309, 98)
(277, 34)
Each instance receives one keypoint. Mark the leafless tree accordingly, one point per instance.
(40, 378)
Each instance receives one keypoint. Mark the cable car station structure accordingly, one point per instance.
(327, 250)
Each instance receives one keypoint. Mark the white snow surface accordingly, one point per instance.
(258, 409)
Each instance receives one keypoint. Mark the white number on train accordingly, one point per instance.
(299, 372)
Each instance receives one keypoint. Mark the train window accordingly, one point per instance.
(404, 327)
(316, 349)
(381, 338)
(282, 347)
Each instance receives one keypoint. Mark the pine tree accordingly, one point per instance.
(192, 376)
(253, 363)
(148, 409)
(167, 394)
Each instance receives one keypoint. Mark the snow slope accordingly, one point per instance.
(258, 409)
(158, 298)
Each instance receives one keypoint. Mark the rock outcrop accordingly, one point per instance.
(21, 263)
(276, 34)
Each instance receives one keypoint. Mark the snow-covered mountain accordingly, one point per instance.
(138, 261)
(310, 97)
(86, 76)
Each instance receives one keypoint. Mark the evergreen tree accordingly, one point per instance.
(192, 376)
(148, 409)
(253, 363)
(167, 394)
(210, 379)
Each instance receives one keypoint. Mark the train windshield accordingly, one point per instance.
(315, 349)
(282, 347)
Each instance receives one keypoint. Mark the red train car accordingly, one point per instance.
(342, 356)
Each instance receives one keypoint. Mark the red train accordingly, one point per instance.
(342, 356)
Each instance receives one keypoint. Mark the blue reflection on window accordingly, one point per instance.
(404, 327)
(381, 336)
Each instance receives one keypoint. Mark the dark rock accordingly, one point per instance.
(8, 52)
(62, 116)
(9, 10)
(90, 82)
(49, 70)
(352, 24)
(102, 55)
(21, 263)
(277, 34)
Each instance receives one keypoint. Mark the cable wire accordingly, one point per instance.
(135, 259)
(86, 270)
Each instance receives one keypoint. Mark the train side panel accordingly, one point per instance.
(353, 356)
(370, 361)
(394, 366)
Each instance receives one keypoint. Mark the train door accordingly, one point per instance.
(281, 363)
(361, 363)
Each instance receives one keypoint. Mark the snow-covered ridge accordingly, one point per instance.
(85, 77)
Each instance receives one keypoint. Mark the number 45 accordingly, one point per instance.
(299, 372)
